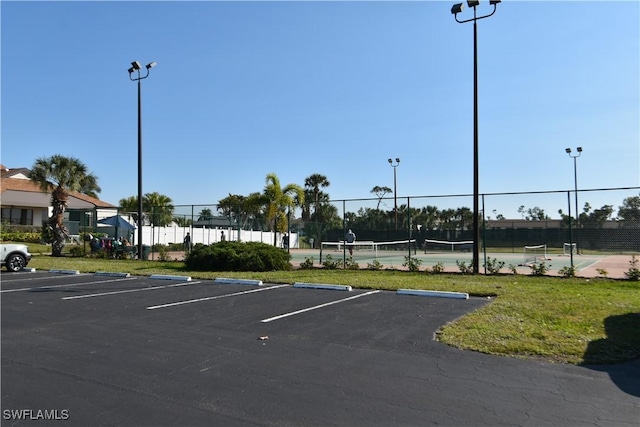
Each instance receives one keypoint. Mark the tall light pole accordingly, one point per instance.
(575, 183)
(457, 8)
(395, 193)
(135, 68)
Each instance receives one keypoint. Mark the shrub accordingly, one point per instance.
(77, 251)
(307, 263)
(375, 265)
(602, 272)
(350, 264)
(493, 266)
(634, 272)
(539, 269)
(513, 268)
(437, 268)
(567, 272)
(464, 268)
(413, 264)
(330, 264)
(237, 256)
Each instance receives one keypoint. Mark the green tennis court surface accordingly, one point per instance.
(396, 258)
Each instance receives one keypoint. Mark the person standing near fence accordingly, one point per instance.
(186, 243)
(350, 239)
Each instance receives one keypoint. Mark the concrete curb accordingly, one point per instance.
(228, 281)
(112, 274)
(169, 277)
(436, 294)
(65, 271)
(322, 286)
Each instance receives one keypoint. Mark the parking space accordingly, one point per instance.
(136, 351)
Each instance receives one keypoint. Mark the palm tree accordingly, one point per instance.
(278, 200)
(205, 214)
(158, 207)
(62, 175)
(314, 183)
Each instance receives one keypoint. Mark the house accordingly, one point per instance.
(24, 203)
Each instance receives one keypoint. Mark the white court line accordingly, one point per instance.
(172, 304)
(101, 294)
(293, 313)
(68, 285)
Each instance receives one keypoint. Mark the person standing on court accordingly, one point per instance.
(186, 243)
(222, 236)
(350, 238)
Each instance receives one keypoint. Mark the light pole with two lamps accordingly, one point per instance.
(575, 183)
(457, 8)
(136, 67)
(395, 194)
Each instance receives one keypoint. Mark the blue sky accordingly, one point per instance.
(243, 89)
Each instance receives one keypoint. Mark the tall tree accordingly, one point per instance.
(62, 175)
(629, 212)
(157, 208)
(314, 183)
(278, 200)
(380, 192)
(205, 214)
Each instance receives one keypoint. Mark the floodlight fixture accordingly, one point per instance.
(579, 149)
(568, 150)
(136, 65)
(473, 3)
(494, 2)
(457, 8)
(151, 64)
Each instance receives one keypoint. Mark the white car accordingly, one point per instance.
(14, 256)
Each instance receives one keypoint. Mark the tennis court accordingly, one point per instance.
(392, 255)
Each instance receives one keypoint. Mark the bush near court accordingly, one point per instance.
(237, 256)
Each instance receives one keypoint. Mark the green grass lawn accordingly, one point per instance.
(565, 320)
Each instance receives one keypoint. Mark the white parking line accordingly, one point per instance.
(173, 304)
(67, 285)
(293, 313)
(101, 294)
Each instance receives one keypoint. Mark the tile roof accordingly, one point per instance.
(8, 183)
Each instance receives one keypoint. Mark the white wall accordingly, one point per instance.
(175, 234)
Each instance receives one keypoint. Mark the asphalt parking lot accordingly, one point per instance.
(89, 350)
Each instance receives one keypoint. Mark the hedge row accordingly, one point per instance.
(237, 256)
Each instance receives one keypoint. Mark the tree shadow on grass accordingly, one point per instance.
(621, 344)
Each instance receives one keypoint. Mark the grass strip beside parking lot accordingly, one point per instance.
(564, 320)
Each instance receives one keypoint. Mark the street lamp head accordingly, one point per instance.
(494, 2)
(151, 64)
(131, 70)
(579, 149)
(390, 161)
(457, 8)
(397, 160)
(473, 3)
(136, 65)
(568, 150)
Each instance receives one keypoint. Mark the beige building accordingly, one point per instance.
(24, 203)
